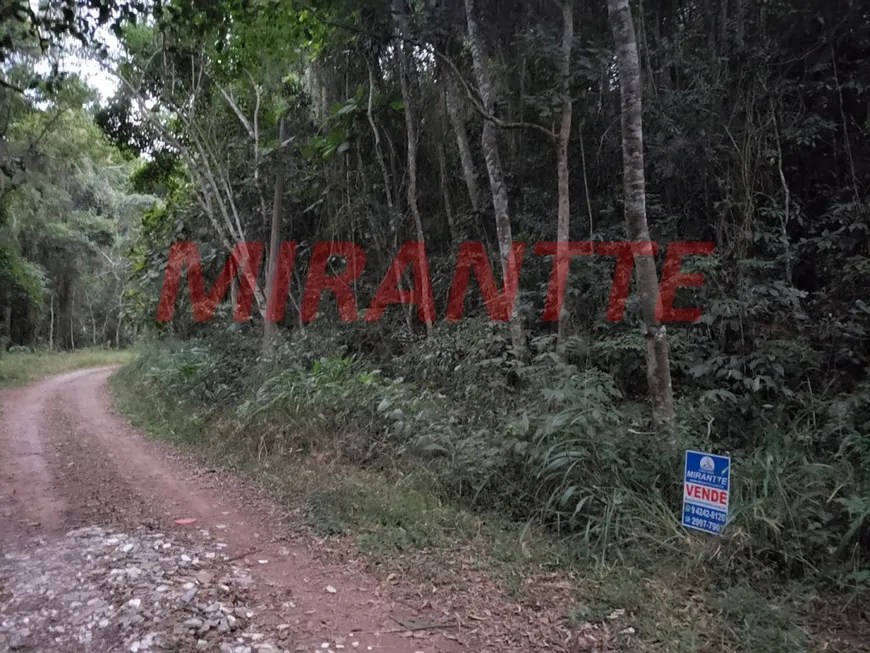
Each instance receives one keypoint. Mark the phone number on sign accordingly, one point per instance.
(705, 524)
(706, 513)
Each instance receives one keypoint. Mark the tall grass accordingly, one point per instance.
(565, 450)
(405, 464)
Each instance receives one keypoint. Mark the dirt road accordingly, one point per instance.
(92, 559)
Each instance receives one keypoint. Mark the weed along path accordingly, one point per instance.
(92, 557)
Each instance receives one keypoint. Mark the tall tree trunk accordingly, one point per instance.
(406, 67)
(586, 181)
(376, 227)
(7, 319)
(120, 317)
(392, 209)
(458, 123)
(395, 213)
(7, 315)
(442, 165)
(489, 144)
(522, 165)
(65, 338)
(564, 223)
(270, 329)
(655, 334)
(51, 326)
(445, 192)
(709, 12)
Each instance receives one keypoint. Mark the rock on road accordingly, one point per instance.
(91, 558)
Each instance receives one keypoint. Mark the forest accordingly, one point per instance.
(333, 163)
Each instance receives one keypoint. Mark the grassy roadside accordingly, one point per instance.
(21, 368)
(643, 601)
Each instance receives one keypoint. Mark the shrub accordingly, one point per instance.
(549, 440)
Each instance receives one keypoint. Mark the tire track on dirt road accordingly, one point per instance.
(72, 462)
(28, 502)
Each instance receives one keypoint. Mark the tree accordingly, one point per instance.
(634, 197)
(406, 69)
(71, 215)
(564, 220)
(270, 327)
(489, 144)
(457, 121)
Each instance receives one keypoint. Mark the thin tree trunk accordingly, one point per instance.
(564, 219)
(395, 214)
(405, 82)
(270, 329)
(442, 165)
(118, 323)
(204, 167)
(51, 326)
(445, 192)
(522, 166)
(105, 327)
(710, 24)
(586, 181)
(655, 334)
(489, 144)
(458, 124)
(68, 314)
(379, 153)
(7, 317)
(376, 227)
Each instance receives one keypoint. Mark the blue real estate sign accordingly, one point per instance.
(706, 486)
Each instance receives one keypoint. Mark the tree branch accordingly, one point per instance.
(434, 51)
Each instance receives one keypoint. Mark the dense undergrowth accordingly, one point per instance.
(554, 443)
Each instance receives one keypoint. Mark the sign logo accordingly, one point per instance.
(706, 489)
